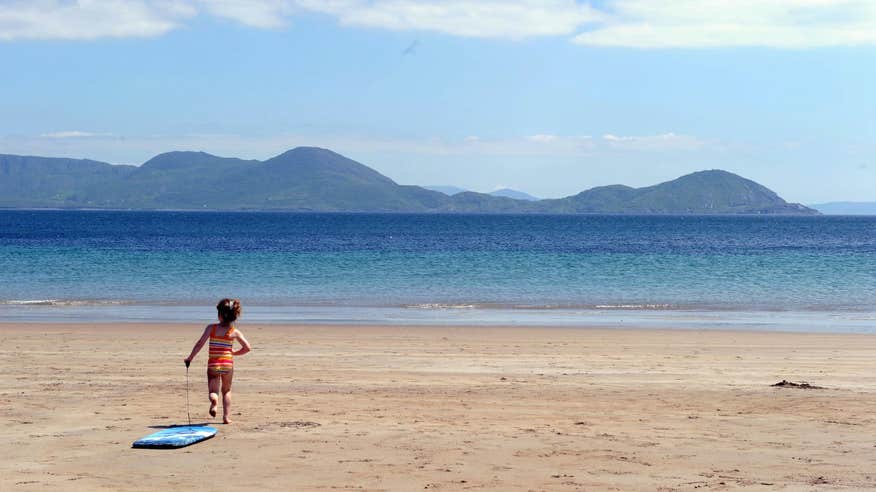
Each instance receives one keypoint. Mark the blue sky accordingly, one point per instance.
(551, 97)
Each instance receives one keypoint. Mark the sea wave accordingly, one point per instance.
(637, 307)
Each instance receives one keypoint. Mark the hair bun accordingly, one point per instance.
(228, 309)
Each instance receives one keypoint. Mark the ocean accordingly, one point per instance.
(761, 272)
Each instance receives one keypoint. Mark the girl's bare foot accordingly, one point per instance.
(214, 404)
(226, 421)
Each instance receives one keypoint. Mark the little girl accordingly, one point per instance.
(220, 365)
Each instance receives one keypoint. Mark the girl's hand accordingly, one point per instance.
(245, 346)
(188, 361)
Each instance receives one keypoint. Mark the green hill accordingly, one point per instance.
(184, 180)
(28, 181)
(314, 179)
(704, 192)
(309, 178)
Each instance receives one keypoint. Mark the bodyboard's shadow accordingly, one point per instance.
(171, 426)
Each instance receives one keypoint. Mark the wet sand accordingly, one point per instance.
(442, 408)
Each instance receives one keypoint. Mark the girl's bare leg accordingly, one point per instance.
(226, 396)
(213, 387)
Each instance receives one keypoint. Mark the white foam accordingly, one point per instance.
(31, 302)
(442, 306)
(60, 302)
(634, 306)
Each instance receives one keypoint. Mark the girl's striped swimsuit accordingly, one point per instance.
(221, 358)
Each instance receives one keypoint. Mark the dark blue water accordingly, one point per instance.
(800, 264)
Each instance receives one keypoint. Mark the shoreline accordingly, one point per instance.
(446, 408)
(862, 322)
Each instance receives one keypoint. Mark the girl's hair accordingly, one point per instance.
(229, 309)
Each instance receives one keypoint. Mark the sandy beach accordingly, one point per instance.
(442, 408)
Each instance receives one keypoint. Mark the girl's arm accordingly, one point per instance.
(199, 344)
(245, 346)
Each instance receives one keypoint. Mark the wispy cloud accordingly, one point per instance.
(542, 138)
(134, 149)
(662, 142)
(620, 23)
(73, 134)
(513, 19)
(571, 145)
(265, 14)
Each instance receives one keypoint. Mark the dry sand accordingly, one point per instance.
(413, 408)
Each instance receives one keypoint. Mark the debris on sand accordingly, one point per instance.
(802, 385)
(299, 424)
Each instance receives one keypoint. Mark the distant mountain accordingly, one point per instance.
(186, 180)
(27, 181)
(846, 208)
(304, 178)
(704, 192)
(314, 179)
(517, 195)
(446, 189)
(504, 192)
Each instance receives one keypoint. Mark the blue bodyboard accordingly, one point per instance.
(176, 437)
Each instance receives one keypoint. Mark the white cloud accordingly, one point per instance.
(90, 19)
(620, 23)
(728, 23)
(265, 14)
(513, 19)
